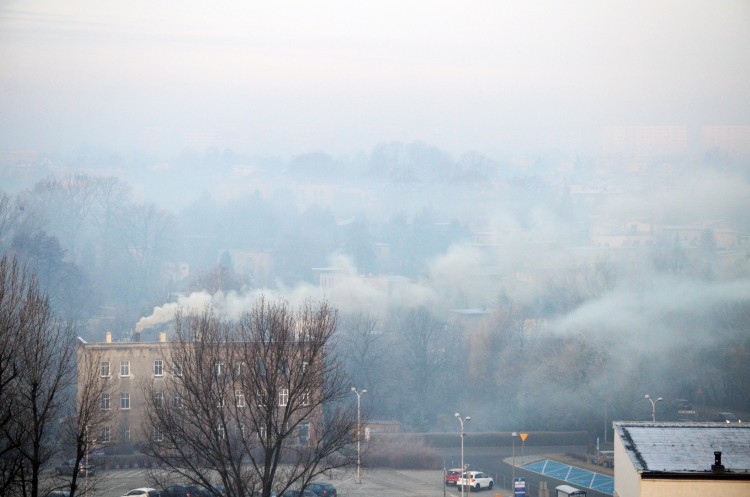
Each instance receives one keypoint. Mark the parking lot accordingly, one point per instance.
(375, 483)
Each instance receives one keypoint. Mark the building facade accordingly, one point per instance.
(144, 375)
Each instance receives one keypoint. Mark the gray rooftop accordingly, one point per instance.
(686, 447)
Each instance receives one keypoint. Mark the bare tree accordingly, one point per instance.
(256, 405)
(367, 351)
(40, 371)
(427, 346)
(12, 286)
(88, 426)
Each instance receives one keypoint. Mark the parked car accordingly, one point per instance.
(185, 491)
(66, 468)
(476, 480)
(297, 493)
(452, 476)
(216, 490)
(57, 493)
(143, 492)
(727, 417)
(322, 489)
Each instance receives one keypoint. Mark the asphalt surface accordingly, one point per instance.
(391, 482)
(375, 483)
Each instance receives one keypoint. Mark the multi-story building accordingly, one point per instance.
(125, 365)
(139, 371)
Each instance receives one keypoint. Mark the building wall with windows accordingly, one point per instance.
(126, 365)
(131, 366)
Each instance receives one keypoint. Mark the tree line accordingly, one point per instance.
(228, 431)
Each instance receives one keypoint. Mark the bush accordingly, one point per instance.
(505, 439)
(401, 451)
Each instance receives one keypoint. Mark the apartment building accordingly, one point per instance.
(137, 370)
(126, 365)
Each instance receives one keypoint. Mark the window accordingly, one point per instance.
(125, 400)
(304, 366)
(219, 368)
(221, 432)
(240, 398)
(242, 431)
(158, 367)
(126, 433)
(104, 434)
(284, 367)
(262, 432)
(124, 368)
(261, 368)
(177, 369)
(284, 397)
(104, 369)
(306, 398)
(105, 401)
(177, 401)
(303, 432)
(159, 400)
(156, 435)
(240, 368)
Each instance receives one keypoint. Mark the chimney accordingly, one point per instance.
(717, 467)
(108, 337)
(137, 336)
(162, 336)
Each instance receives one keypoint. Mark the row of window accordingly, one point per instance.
(303, 433)
(177, 400)
(104, 368)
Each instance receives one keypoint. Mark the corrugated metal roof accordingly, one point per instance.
(686, 447)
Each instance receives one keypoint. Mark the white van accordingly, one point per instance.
(568, 491)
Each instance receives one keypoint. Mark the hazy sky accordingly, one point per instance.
(285, 77)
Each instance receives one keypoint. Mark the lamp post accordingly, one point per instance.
(359, 396)
(513, 473)
(463, 469)
(653, 406)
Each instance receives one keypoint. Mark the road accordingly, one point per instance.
(375, 483)
(390, 482)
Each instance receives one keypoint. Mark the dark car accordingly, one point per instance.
(185, 491)
(216, 490)
(727, 417)
(66, 468)
(297, 493)
(322, 489)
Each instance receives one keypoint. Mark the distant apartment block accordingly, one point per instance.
(732, 140)
(642, 142)
(377, 286)
(251, 265)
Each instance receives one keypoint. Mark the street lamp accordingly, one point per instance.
(463, 469)
(653, 406)
(513, 472)
(359, 396)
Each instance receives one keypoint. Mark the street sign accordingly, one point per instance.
(523, 436)
(519, 487)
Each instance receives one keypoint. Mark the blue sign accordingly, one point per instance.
(519, 487)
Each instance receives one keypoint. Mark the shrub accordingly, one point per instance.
(401, 451)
